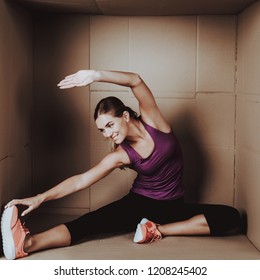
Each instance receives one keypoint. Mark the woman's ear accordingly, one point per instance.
(126, 115)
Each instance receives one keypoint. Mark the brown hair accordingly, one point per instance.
(114, 106)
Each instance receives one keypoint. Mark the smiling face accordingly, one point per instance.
(115, 128)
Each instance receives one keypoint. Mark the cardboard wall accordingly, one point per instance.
(61, 118)
(15, 102)
(248, 120)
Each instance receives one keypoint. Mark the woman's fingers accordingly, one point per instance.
(16, 202)
(27, 211)
(66, 86)
(25, 202)
(66, 82)
(79, 79)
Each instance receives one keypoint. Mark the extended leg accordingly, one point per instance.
(17, 241)
(58, 236)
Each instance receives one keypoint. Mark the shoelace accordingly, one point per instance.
(155, 237)
(23, 227)
(152, 234)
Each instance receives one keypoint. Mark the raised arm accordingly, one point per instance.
(147, 104)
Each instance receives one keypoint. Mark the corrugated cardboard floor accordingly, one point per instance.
(236, 247)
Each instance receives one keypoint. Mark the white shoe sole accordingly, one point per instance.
(138, 233)
(7, 236)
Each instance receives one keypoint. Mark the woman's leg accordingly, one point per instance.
(189, 219)
(58, 236)
(204, 219)
(18, 242)
(116, 217)
(196, 225)
(103, 220)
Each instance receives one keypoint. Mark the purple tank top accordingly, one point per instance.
(159, 176)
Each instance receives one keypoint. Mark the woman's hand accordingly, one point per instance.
(79, 79)
(32, 203)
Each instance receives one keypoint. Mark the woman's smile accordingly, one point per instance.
(111, 127)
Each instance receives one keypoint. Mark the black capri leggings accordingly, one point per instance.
(124, 214)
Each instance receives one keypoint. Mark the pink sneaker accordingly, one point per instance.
(147, 232)
(13, 234)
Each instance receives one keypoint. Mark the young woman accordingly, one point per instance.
(154, 206)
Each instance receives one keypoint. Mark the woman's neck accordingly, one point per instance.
(137, 131)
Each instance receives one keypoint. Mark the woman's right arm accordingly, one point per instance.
(73, 184)
(149, 110)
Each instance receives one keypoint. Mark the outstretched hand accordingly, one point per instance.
(32, 203)
(79, 79)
